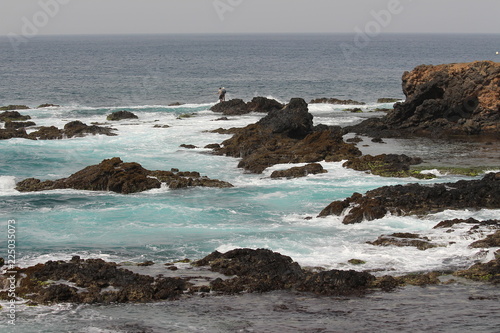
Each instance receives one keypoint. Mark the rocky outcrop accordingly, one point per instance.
(416, 199)
(263, 270)
(386, 165)
(92, 281)
(485, 272)
(335, 101)
(78, 129)
(116, 176)
(452, 99)
(404, 239)
(18, 124)
(286, 136)
(13, 107)
(47, 105)
(72, 129)
(238, 106)
(120, 115)
(12, 116)
(264, 105)
(296, 172)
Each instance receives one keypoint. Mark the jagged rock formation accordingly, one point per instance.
(286, 136)
(238, 106)
(116, 176)
(416, 199)
(443, 100)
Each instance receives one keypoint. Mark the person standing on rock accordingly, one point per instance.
(222, 94)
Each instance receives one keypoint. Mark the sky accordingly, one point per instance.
(46, 17)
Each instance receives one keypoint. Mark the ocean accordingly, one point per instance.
(89, 77)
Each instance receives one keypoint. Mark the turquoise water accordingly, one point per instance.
(95, 76)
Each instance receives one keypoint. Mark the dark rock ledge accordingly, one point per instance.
(116, 176)
(417, 199)
(287, 135)
(241, 270)
(238, 106)
(72, 129)
(448, 100)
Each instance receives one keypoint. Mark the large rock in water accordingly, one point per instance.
(116, 176)
(286, 136)
(416, 199)
(238, 106)
(451, 99)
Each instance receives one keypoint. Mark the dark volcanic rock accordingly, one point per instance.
(264, 270)
(18, 124)
(13, 116)
(10, 133)
(387, 165)
(116, 176)
(416, 199)
(13, 107)
(263, 104)
(71, 129)
(487, 272)
(231, 107)
(92, 281)
(47, 106)
(404, 239)
(119, 115)
(296, 172)
(335, 101)
(78, 129)
(238, 106)
(286, 136)
(453, 99)
(47, 133)
(490, 241)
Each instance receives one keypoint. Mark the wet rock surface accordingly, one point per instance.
(286, 136)
(297, 172)
(120, 115)
(239, 107)
(444, 100)
(325, 100)
(72, 129)
(116, 176)
(416, 199)
(404, 239)
(387, 165)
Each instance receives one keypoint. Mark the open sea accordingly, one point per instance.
(91, 76)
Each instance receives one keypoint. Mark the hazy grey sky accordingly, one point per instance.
(241, 16)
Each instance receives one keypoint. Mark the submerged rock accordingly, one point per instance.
(72, 129)
(296, 172)
(116, 176)
(120, 115)
(444, 100)
(386, 165)
(416, 199)
(404, 239)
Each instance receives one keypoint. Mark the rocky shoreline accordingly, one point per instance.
(447, 101)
